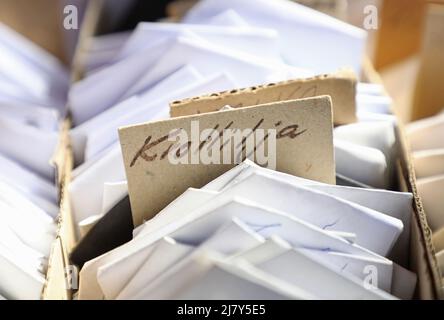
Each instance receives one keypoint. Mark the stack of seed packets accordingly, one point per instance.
(425, 137)
(131, 78)
(258, 233)
(289, 232)
(33, 88)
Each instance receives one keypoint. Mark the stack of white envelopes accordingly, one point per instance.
(219, 45)
(255, 233)
(33, 88)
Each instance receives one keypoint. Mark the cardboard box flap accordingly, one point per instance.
(340, 86)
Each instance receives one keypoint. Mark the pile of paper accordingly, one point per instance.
(427, 146)
(252, 232)
(259, 233)
(134, 77)
(33, 87)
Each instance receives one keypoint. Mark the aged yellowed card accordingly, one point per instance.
(164, 158)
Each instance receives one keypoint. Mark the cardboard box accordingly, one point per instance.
(429, 96)
(422, 257)
(399, 30)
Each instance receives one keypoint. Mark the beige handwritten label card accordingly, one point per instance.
(340, 86)
(164, 158)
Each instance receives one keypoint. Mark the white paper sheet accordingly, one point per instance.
(328, 44)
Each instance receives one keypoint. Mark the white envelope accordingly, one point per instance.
(29, 66)
(374, 134)
(17, 281)
(355, 265)
(107, 134)
(28, 146)
(11, 93)
(99, 91)
(366, 116)
(26, 181)
(101, 50)
(209, 58)
(375, 89)
(379, 135)
(228, 239)
(264, 221)
(373, 103)
(113, 193)
(341, 263)
(187, 201)
(344, 181)
(226, 18)
(196, 233)
(426, 133)
(28, 209)
(79, 134)
(262, 251)
(360, 163)
(34, 115)
(259, 42)
(319, 279)
(166, 253)
(111, 41)
(430, 190)
(142, 70)
(86, 190)
(27, 255)
(328, 43)
(278, 195)
(26, 49)
(428, 163)
(86, 224)
(186, 74)
(320, 209)
(395, 204)
(31, 231)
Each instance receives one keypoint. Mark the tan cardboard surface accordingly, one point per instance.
(304, 147)
(340, 86)
(55, 287)
(438, 240)
(429, 95)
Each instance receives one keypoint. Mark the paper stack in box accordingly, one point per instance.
(425, 137)
(270, 235)
(213, 230)
(33, 88)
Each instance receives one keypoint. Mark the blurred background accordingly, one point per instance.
(406, 48)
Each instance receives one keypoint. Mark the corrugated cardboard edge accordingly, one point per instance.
(55, 286)
(429, 279)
